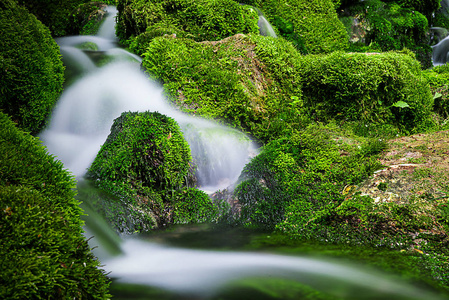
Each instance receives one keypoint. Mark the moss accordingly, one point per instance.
(53, 14)
(315, 22)
(251, 82)
(372, 88)
(145, 163)
(87, 18)
(190, 205)
(199, 20)
(307, 170)
(438, 78)
(426, 7)
(31, 71)
(43, 253)
(388, 26)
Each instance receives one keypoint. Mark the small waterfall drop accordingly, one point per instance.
(440, 52)
(265, 27)
(107, 29)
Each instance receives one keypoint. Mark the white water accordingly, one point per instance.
(265, 27)
(81, 123)
(440, 53)
(203, 273)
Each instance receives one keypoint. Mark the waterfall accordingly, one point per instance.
(440, 50)
(80, 124)
(83, 116)
(107, 29)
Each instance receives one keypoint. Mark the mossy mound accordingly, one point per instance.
(145, 162)
(53, 14)
(31, 71)
(252, 82)
(377, 26)
(375, 88)
(264, 86)
(199, 20)
(306, 170)
(43, 254)
(315, 22)
(319, 184)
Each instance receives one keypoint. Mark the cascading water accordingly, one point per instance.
(441, 49)
(265, 27)
(80, 124)
(84, 114)
(440, 52)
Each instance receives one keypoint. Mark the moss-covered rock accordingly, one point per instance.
(252, 82)
(426, 7)
(375, 88)
(315, 22)
(319, 185)
(146, 164)
(53, 14)
(200, 20)
(264, 86)
(43, 254)
(377, 26)
(438, 78)
(31, 71)
(306, 170)
(87, 18)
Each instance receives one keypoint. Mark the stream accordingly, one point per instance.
(108, 81)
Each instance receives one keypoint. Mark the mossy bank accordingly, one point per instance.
(31, 70)
(44, 253)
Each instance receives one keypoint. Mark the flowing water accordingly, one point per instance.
(265, 27)
(80, 124)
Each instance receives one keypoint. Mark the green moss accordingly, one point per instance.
(370, 88)
(146, 163)
(200, 20)
(43, 253)
(438, 78)
(386, 27)
(315, 22)
(53, 14)
(31, 71)
(426, 7)
(190, 205)
(146, 149)
(305, 173)
(251, 82)
(87, 18)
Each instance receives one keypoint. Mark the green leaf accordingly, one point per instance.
(401, 104)
(437, 95)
